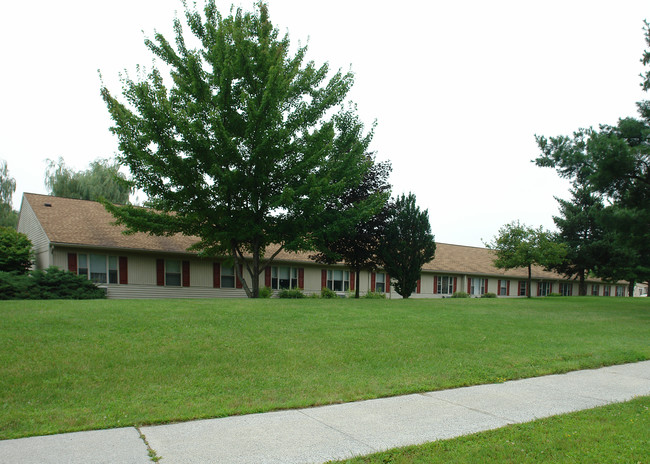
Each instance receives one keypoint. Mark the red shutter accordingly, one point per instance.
(518, 288)
(508, 288)
(238, 281)
(435, 284)
(72, 262)
(267, 276)
(539, 289)
(186, 273)
(455, 283)
(124, 270)
(373, 281)
(469, 285)
(486, 286)
(301, 278)
(160, 272)
(387, 284)
(499, 287)
(353, 275)
(216, 275)
(417, 290)
(323, 278)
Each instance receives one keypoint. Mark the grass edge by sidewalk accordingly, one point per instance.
(615, 432)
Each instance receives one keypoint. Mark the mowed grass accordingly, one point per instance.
(616, 433)
(78, 365)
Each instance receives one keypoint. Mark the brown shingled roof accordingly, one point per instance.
(87, 223)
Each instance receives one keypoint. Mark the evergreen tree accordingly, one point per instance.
(581, 231)
(244, 149)
(407, 244)
(16, 252)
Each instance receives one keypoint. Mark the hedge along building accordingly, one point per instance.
(81, 237)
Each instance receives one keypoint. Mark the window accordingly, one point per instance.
(173, 272)
(620, 290)
(476, 286)
(284, 277)
(227, 277)
(544, 288)
(445, 285)
(100, 269)
(522, 288)
(566, 288)
(607, 290)
(380, 283)
(83, 266)
(503, 287)
(338, 281)
(112, 269)
(595, 288)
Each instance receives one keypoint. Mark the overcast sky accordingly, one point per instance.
(458, 89)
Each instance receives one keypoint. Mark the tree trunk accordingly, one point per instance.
(582, 287)
(530, 280)
(630, 288)
(356, 283)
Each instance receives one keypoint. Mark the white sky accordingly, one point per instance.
(459, 89)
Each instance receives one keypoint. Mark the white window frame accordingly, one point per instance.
(443, 289)
(566, 288)
(338, 280)
(544, 288)
(523, 288)
(607, 290)
(227, 275)
(284, 277)
(503, 290)
(380, 283)
(111, 268)
(595, 289)
(476, 286)
(172, 274)
(620, 290)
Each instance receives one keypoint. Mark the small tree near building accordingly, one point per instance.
(519, 246)
(8, 217)
(16, 251)
(407, 245)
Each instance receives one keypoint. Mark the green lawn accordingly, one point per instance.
(616, 433)
(76, 365)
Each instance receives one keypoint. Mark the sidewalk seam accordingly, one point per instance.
(486, 413)
(152, 452)
(374, 450)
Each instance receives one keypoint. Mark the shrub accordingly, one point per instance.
(266, 292)
(489, 295)
(327, 293)
(460, 295)
(16, 253)
(52, 284)
(375, 296)
(293, 293)
(554, 294)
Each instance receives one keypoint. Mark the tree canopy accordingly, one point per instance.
(613, 162)
(241, 146)
(520, 246)
(8, 217)
(102, 180)
(16, 252)
(357, 244)
(408, 244)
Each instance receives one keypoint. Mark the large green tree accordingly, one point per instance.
(613, 161)
(8, 217)
(242, 146)
(521, 246)
(408, 244)
(102, 180)
(357, 244)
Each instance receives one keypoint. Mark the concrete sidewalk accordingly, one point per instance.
(316, 435)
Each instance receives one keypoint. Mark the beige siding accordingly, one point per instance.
(154, 291)
(29, 225)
